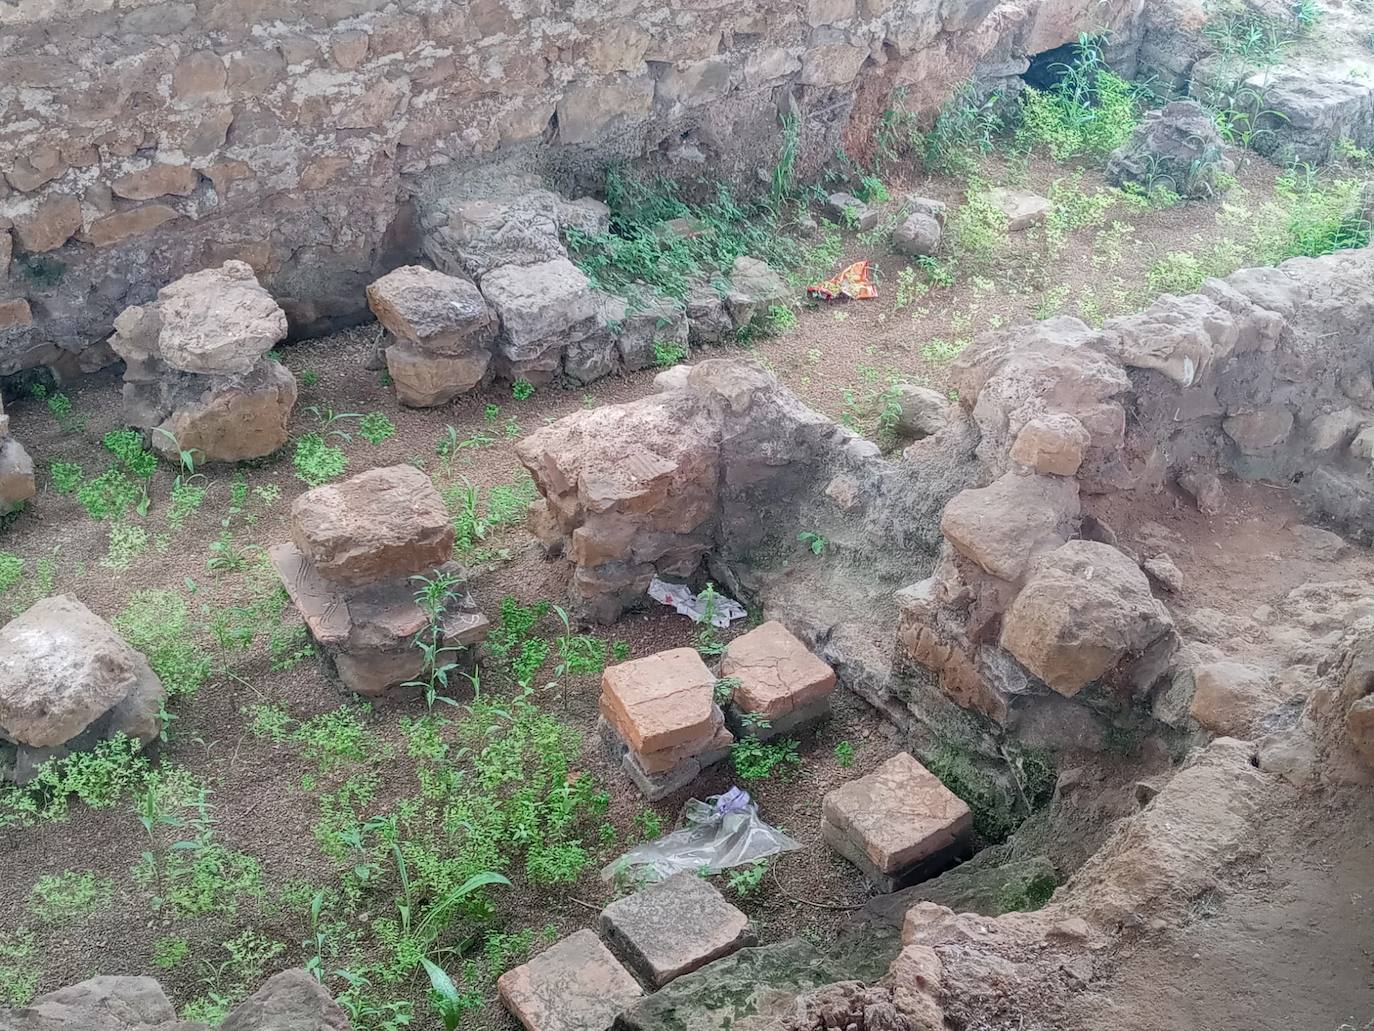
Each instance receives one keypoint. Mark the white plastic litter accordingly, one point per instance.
(723, 832)
(681, 598)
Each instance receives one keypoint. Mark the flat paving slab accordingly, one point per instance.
(674, 927)
(895, 821)
(575, 985)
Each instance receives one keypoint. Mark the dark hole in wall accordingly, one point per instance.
(1047, 68)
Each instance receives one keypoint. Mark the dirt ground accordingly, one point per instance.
(838, 359)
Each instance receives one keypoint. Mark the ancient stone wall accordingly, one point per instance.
(140, 141)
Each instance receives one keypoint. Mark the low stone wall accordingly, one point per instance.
(141, 141)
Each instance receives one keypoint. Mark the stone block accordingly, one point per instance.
(575, 985)
(660, 700)
(660, 774)
(439, 314)
(386, 523)
(899, 824)
(1021, 208)
(673, 927)
(777, 674)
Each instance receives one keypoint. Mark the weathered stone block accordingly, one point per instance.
(660, 700)
(439, 314)
(384, 523)
(673, 927)
(777, 674)
(897, 823)
(575, 985)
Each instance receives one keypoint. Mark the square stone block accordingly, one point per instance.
(665, 778)
(673, 927)
(659, 701)
(898, 823)
(575, 985)
(777, 674)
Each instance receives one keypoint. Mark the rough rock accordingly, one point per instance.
(1084, 608)
(69, 680)
(924, 412)
(1258, 431)
(16, 472)
(1021, 208)
(219, 321)
(290, 1001)
(918, 235)
(1052, 443)
(542, 306)
(673, 927)
(438, 314)
(898, 823)
(778, 675)
(747, 991)
(234, 419)
(424, 379)
(1229, 698)
(707, 318)
(847, 210)
(575, 985)
(386, 522)
(521, 228)
(105, 1003)
(1178, 148)
(660, 700)
(1163, 571)
(1003, 526)
(754, 288)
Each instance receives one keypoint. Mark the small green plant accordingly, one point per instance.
(578, 653)
(1306, 13)
(11, 570)
(57, 897)
(814, 542)
(109, 495)
(449, 1003)
(309, 378)
(375, 427)
(19, 968)
(620, 651)
(127, 543)
(724, 691)
(1089, 110)
(170, 951)
(317, 462)
(1178, 272)
(747, 883)
(668, 353)
(522, 389)
(649, 824)
(708, 642)
(758, 760)
(158, 624)
(60, 405)
(66, 477)
(1025, 895)
(844, 754)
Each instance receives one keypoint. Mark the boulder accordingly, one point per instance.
(575, 985)
(439, 314)
(382, 524)
(1229, 698)
(754, 288)
(1162, 570)
(918, 235)
(1177, 147)
(16, 475)
(218, 321)
(1085, 608)
(1003, 526)
(69, 680)
(290, 1001)
(542, 306)
(424, 379)
(1022, 208)
(1257, 431)
(708, 320)
(924, 412)
(104, 1003)
(233, 419)
(1052, 443)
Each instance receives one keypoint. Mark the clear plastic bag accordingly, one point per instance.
(723, 832)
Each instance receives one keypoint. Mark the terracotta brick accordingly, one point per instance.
(660, 700)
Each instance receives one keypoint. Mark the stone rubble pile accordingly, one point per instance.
(16, 470)
(360, 551)
(660, 720)
(196, 373)
(68, 681)
(1177, 148)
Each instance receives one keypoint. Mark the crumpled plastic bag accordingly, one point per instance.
(723, 832)
(724, 610)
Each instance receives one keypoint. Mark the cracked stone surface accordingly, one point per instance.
(660, 700)
(575, 985)
(674, 927)
(777, 673)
